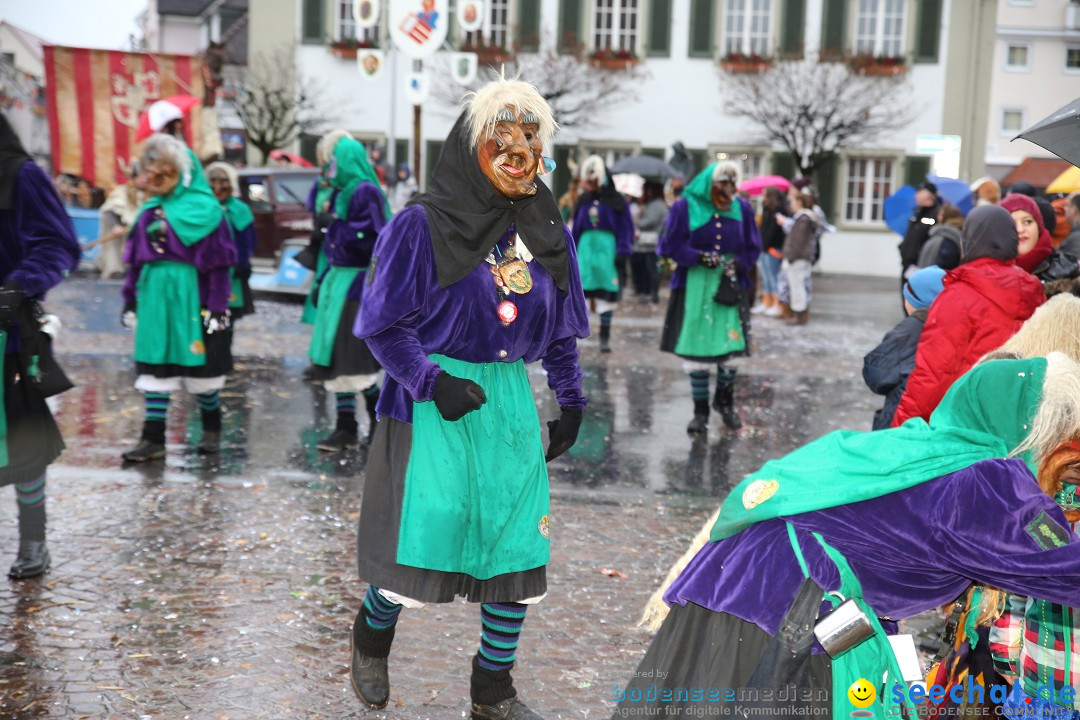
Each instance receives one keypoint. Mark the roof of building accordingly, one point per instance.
(1040, 172)
(32, 42)
(189, 8)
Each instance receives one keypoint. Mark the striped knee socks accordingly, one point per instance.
(210, 405)
(373, 629)
(500, 628)
(30, 498)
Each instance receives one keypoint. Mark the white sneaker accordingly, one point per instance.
(772, 311)
(758, 309)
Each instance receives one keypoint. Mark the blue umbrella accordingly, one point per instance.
(955, 191)
(900, 206)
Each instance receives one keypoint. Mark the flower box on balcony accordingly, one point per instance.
(346, 48)
(613, 60)
(489, 54)
(344, 53)
(877, 66)
(740, 63)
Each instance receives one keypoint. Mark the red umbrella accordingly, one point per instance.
(289, 157)
(161, 113)
(756, 186)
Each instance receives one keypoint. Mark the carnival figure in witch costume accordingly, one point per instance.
(313, 257)
(803, 534)
(176, 295)
(340, 359)
(37, 249)
(469, 283)
(712, 236)
(604, 236)
(225, 184)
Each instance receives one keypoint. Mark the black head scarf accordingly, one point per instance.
(12, 158)
(606, 194)
(466, 217)
(989, 232)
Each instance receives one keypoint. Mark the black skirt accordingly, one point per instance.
(247, 300)
(33, 440)
(380, 518)
(673, 324)
(700, 664)
(219, 360)
(351, 355)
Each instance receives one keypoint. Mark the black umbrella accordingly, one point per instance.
(646, 166)
(1059, 133)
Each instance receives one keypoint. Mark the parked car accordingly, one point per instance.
(278, 199)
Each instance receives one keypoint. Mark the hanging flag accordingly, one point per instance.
(463, 67)
(95, 99)
(418, 27)
(416, 87)
(470, 14)
(370, 63)
(366, 13)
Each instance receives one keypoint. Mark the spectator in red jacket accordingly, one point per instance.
(986, 299)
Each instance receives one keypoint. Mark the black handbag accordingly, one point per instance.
(46, 376)
(309, 256)
(728, 292)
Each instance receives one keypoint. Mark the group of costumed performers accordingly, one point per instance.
(968, 497)
(711, 235)
(38, 248)
(225, 184)
(604, 235)
(342, 361)
(176, 295)
(471, 281)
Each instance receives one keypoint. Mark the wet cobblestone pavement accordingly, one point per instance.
(224, 587)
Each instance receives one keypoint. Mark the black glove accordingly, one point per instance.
(562, 433)
(11, 299)
(456, 397)
(215, 321)
(242, 272)
(127, 315)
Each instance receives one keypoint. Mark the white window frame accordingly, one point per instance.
(867, 200)
(1026, 67)
(610, 151)
(745, 38)
(343, 17)
(617, 9)
(1071, 70)
(489, 26)
(1006, 132)
(894, 45)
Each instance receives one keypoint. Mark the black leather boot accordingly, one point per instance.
(33, 560)
(724, 403)
(152, 444)
(368, 667)
(345, 435)
(700, 423)
(511, 709)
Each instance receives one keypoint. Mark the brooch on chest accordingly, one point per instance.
(510, 270)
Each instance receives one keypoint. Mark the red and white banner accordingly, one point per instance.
(95, 98)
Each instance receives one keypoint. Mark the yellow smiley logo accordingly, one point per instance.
(861, 693)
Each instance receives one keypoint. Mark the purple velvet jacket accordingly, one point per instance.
(350, 241)
(406, 316)
(912, 550)
(677, 242)
(619, 224)
(245, 241)
(212, 257)
(38, 246)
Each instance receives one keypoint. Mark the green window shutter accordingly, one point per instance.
(529, 25)
(916, 168)
(783, 164)
(928, 31)
(434, 149)
(307, 146)
(569, 26)
(825, 182)
(653, 152)
(791, 36)
(659, 28)
(401, 154)
(702, 21)
(313, 21)
(834, 29)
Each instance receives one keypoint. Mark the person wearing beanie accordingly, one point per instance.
(986, 299)
(942, 248)
(1034, 245)
(922, 221)
(886, 367)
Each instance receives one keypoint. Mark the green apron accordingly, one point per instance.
(333, 293)
(3, 408)
(476, 490)
(169, 329)
(709, 329)
(596, 261)
(308, 317)
(867, 660)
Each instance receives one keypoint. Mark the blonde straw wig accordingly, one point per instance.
(1055, 327)
(325, 149)
(224, 168)
(592, 168)
(490, 104)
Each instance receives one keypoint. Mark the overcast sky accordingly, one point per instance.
(76, 22)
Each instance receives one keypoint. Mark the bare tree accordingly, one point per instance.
(277, 103)
(577, 90)
(815, 108)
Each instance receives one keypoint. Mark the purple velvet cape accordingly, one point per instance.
(621, 224)
(212, 257)
(38, 246)
(677, 242)
(351, 240)
(912, 550)
(406, 316)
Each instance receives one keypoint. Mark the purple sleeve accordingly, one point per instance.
(624, 239)
(312, 193)
(674, 239)
(214, 255)
(751, 249)
(245, 245)
(134, 268)
(1004, 531)
(564, 372)
(130, 280)
(45, 233)
(401, 271)
(354, 237)
(579, 221)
